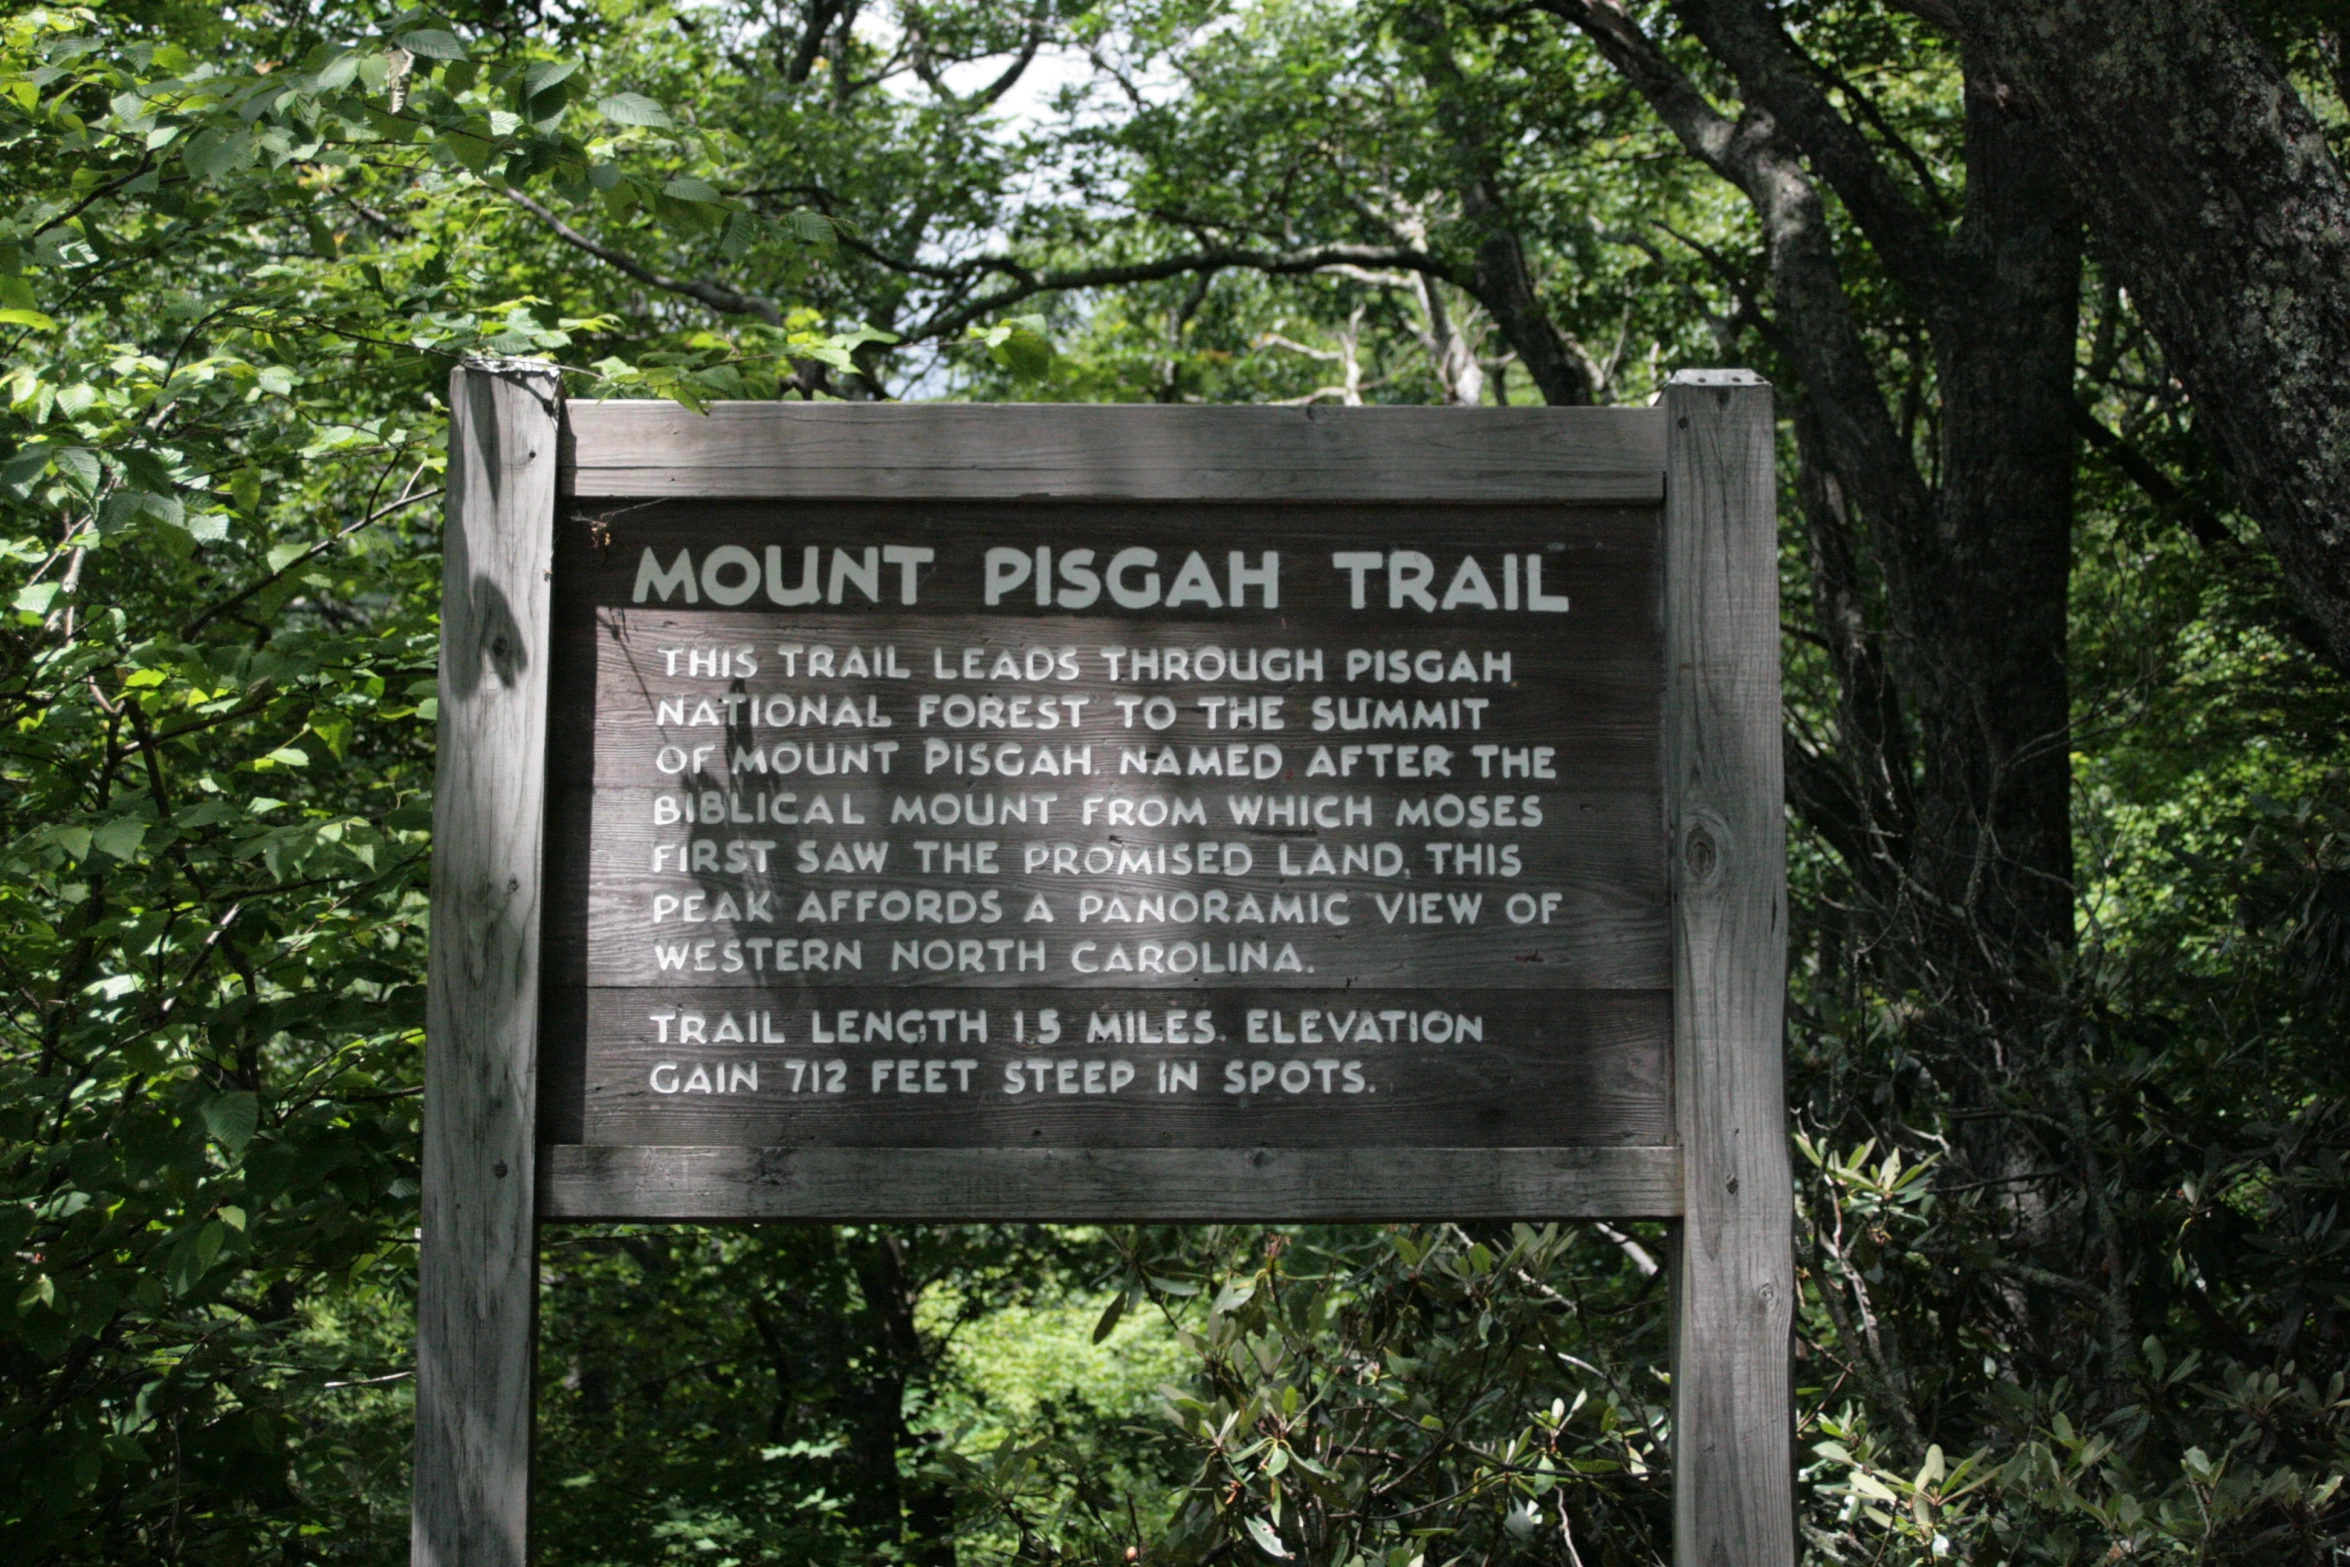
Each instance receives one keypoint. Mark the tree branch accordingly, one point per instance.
(408, 497)
(717, 296)
(1776, 76)
(1500, 279)
(918, 55)
(801, 59)
(2169, 500)
(1821, 337)
(1027, 284)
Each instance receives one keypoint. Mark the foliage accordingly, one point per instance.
(239, 247)
(229, 303)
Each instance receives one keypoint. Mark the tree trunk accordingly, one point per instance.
(916, 1509)
(1499, 278)
(1980, 605)
(2211, 187)
(1959, 827)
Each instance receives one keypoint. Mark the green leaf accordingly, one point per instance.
(230, 1118)
(120, 837)
(433, 44)
(741, 229)
(209, 1240)
(1109, 1318)
(26, 466)
(79, 465)
(813, 228)
(119, 511)
(687, 188)
(389, 126)
(545, 74)
(216, 151)
(1026, 353)
(631, 108)
(32, 318)
(1267, 1539)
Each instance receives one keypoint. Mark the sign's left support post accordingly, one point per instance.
(478, 1264)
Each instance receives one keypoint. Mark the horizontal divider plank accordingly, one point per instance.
(969, 1185)
(945, 451)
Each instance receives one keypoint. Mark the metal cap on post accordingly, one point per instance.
(477, 1271)
(1733, 1477)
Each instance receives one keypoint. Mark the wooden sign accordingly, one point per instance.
(1108, 813)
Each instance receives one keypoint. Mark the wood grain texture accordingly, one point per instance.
(1204, 1185)
(947, 451)
(477, 1277)
(1733, 1480)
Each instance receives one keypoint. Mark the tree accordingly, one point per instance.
(2212, 185)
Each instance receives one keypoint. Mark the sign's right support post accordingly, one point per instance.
(1733, 1277)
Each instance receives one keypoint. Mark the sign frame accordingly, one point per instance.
(1704, 452)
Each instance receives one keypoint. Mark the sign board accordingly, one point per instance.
(1100, 813)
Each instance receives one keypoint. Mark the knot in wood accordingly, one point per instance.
(1700, 853)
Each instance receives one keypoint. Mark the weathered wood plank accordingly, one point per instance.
(1122, 1185)
(947, 451)
(1733, 1480)
(477, 1269)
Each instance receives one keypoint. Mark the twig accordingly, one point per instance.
(407, 497)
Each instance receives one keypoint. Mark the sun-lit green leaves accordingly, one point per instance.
(630, 108)
(433, 43)
(1021, 345)
(234, 271)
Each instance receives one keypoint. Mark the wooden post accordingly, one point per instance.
(477, 1280)
(1734, 1284)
